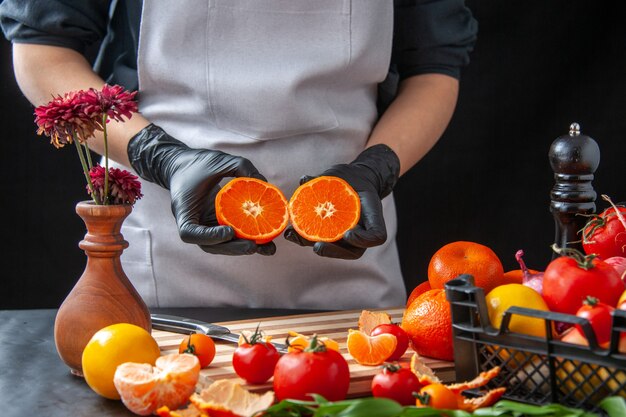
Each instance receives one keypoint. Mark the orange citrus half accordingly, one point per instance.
(323, 209)
(255, 209)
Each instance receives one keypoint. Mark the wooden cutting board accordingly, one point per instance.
(334, 325)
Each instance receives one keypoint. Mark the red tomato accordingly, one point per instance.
(314, 370)
(599, 316)
(255, 361)
(397, 383)
(568, 280)
(401, 336)
(437, 396)
(605, 235)
(200, 345)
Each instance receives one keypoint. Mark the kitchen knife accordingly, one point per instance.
(186, 325)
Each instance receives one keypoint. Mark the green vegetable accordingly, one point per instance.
(382, 407)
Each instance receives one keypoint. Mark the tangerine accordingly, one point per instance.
(428, 323)
(370, 350)
(255, 209)
(419, 289)
(463, 257)
(323, 209)
(145, 388)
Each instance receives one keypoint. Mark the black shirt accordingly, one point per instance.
(430, 36)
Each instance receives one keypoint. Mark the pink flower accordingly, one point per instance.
(62, 117)
(113, 101)
(124, 187)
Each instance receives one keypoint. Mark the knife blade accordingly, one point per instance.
(186, 325)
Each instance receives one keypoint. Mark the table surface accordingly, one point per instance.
(34, 380)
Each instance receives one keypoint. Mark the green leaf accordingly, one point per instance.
(379, 407)
(517, 409)
(290, 408)
(614, 406)
(412, 411)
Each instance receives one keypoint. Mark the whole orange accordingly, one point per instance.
(462, 257)
(428, 323)
(419, 289)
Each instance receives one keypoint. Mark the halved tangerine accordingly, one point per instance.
(370, 350)
(255, 209)
(323, 209)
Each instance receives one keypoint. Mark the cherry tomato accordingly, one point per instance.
(599, 316)
(605, 234)
(200, 345)
(397, 383)
(399, 333)
(569, 279)
(255, 361)
(314, 370)
(437, 396)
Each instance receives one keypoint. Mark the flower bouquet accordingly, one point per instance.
(74, 118)
(103, 295)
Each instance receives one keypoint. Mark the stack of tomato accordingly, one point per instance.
(591, 285)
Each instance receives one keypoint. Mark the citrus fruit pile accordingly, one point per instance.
(320, 210)
(427, 318)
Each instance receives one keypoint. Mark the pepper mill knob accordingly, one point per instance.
(574, 158)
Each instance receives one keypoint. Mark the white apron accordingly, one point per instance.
(290, 85)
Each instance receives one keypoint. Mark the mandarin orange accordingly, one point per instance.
(145, 388)
(419, 289)
(255, 209)
(462, 257)
(370, 350)
(324, 208)
(428, 322)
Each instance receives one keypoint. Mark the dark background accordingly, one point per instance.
(537, 66)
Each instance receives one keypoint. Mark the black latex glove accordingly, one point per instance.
(373, 175)
(193, 176)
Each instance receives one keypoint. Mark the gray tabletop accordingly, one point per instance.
(34, 380)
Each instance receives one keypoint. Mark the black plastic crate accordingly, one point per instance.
(535, 370)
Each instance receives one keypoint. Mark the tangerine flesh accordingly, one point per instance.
(255, 209)
(323, 209)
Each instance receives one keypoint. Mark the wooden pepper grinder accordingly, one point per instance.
(574, 158)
